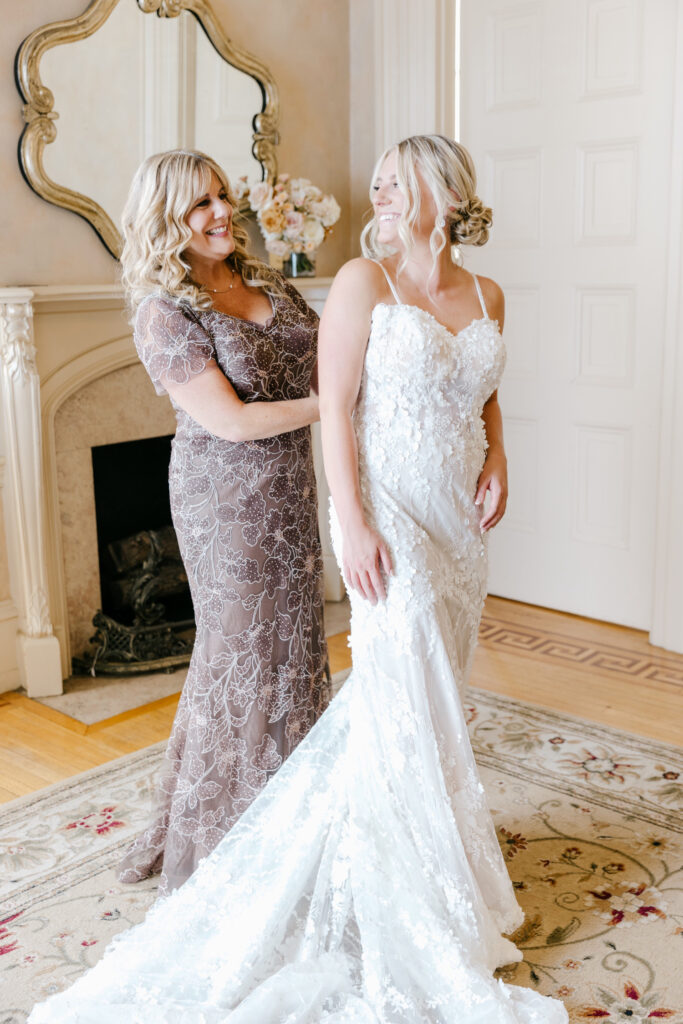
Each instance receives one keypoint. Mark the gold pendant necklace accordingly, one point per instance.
(218, 291)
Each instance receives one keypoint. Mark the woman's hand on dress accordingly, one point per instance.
(493, 478)
(365, 556)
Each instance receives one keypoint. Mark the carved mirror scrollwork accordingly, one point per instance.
(128, 86)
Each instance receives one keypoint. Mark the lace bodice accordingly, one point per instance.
(420, 382)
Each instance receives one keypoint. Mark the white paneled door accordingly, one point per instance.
(567, 109)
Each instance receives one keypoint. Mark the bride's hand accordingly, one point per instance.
(494, 478)
(364, 557)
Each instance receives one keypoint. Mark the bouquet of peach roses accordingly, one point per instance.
(294, 215)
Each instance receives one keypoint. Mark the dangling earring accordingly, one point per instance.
(441, 222)
(456, 256)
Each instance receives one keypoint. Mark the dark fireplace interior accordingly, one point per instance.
(131, 499)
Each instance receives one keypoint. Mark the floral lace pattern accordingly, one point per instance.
(365, 885)
(246, 519)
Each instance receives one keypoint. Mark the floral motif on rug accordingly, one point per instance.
(589, 820)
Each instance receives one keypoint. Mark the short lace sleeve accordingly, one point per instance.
(172, 345)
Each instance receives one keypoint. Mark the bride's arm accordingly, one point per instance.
(494, 475)
(344, 331)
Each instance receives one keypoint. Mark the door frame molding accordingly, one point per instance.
(667, 612)
(414, 68)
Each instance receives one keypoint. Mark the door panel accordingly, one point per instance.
(566, 108)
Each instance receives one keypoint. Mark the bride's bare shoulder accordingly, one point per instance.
(362, 277)
(360, 271)
(493, 296)
(355, 291)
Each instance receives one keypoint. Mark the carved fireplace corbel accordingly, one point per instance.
(38, 651)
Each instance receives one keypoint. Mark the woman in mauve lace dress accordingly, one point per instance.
(234, 345)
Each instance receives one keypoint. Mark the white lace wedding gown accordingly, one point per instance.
(365, 884)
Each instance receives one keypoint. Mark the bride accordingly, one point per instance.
(365, 884)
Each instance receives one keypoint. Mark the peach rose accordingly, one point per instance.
(272, 219)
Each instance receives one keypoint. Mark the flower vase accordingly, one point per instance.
(299, 264)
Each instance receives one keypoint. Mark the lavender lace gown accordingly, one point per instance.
(246, 519)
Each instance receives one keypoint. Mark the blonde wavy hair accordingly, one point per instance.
(155, 233)
(448, 171)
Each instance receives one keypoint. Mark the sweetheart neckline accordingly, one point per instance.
(453, 334)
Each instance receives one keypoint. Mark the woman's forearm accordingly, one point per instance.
(211, 401)
(340, 454)
(258, 420)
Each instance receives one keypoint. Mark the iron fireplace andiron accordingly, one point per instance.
(138, 631)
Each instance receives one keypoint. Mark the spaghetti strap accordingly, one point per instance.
(389, 282)
(481, 296)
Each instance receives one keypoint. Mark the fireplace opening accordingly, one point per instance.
(146, 616)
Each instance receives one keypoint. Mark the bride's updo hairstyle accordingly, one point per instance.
(155, 233)
(448, 171)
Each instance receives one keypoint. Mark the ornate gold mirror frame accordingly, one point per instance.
(40, 116)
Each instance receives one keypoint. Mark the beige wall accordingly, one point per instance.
(306, 45)
(41, 244)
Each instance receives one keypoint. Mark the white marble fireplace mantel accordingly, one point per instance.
(83, 336)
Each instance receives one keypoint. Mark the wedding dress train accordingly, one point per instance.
(365, 884)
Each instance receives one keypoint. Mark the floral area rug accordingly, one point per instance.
(590, 822)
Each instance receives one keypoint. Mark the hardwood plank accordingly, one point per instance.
(339, 651)
(164, 702)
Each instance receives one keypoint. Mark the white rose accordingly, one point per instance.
(278, 247)
(294, 222)
(327, 210)
(313, 233)
(260, 194)
(240, 187)
(298, 188)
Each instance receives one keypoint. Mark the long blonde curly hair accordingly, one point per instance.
(448, 170)
(164, 189)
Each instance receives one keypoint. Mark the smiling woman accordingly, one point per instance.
(234, 345)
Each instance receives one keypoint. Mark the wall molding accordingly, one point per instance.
(667, 613)
(415, 69)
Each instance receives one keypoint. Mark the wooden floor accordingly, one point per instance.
(607, 674)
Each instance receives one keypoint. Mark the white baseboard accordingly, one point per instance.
(9, 664)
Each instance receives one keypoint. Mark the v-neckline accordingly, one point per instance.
(262, 325)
